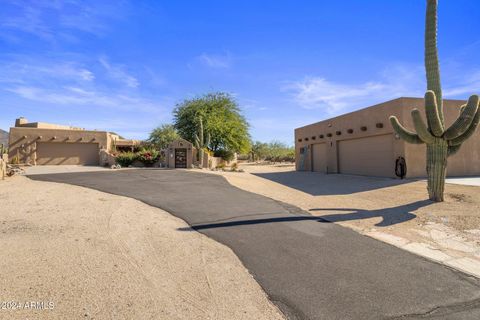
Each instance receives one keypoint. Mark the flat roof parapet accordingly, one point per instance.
(23, 123)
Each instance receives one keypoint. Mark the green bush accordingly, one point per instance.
(148, 156)
(274, 151)
(225, 154)
(125, 159)
(220, 166)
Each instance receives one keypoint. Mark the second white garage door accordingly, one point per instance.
(370, 156)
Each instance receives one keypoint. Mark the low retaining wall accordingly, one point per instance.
(106, 159)
(213, 162)
(3, 166)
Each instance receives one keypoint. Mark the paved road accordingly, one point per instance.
(309, 268)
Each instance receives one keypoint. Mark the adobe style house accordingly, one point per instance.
(364, 143)
(39, 143)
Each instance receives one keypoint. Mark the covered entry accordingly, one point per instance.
(319, 157)
(370, 156)
(63, 153)
(180, 154)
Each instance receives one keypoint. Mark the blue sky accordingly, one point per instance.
(122, 65)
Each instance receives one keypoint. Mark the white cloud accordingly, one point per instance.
(314, 92)
(469, 85)
(333, 97)
(117, 72)
(68, 83)
(215, 61)
(53, 20)
(22, 71)
(90, 98)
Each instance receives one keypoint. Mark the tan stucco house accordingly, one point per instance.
(39, 143)
(364, 143)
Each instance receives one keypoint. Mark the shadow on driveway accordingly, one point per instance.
(390, 217)
(317, 184)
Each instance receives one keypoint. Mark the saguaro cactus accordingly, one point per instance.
(441, 142)
(200, 142)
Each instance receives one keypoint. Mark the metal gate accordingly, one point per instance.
(180, 158)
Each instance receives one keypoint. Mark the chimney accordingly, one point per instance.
(20, 122)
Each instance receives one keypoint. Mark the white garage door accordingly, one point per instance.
(319, 157)
(58, 153)
(370, 156)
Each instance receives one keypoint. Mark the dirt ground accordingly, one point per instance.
(85, 254)
(377, 207)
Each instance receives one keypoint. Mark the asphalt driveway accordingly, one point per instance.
(311, 269)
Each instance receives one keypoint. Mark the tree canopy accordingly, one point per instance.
(162, 136)
(221, 117)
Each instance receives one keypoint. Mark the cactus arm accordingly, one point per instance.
(431, 110)
(197, 141)
(421, 128)
(207, 142)
(405, 134)
(431, 55)
(467, 134)
(200, 133)
(464, 121)
(453, 150)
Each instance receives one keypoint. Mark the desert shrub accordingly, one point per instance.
(243, 157)
(125, 159)
(274, 152)
(220, 166)
(225, 154)
(234, 167)
(148, 156)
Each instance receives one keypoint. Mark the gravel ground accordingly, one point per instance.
(91, 255)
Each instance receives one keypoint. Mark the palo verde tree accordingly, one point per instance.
(162, 136)
(221, 119)
(441, 142)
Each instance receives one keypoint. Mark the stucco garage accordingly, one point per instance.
(370, 156)
(319, 157)
(58, 153)
(363, 142)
